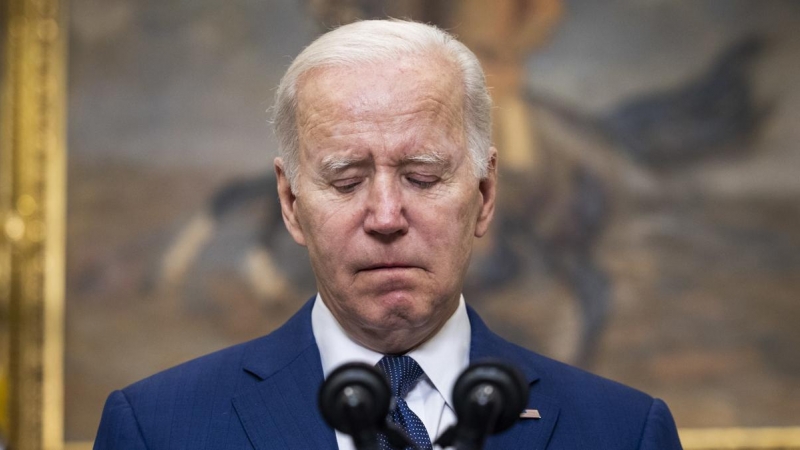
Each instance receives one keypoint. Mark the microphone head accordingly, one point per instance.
(490, 381)
(355, 397)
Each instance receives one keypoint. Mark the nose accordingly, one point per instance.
(385, 210)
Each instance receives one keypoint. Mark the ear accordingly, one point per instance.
(488, 191)
(288, 204)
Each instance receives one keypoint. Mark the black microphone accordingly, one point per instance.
(355, 399)
(488, 398)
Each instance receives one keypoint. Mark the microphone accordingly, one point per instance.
(355, 399)
(488, 398)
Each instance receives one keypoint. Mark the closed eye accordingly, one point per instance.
(346, 186)
(422, 182)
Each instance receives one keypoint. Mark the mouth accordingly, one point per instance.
(387, 266)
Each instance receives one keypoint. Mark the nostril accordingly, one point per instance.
(386, 222)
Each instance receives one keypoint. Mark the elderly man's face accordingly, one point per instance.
(386, 200)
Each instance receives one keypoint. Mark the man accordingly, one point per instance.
(386, 175)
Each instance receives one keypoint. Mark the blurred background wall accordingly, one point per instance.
(649, 227)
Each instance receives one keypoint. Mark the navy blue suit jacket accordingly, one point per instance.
(263, 395)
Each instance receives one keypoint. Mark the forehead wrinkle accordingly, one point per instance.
(436, 98)
(330, 116)
(437, 85)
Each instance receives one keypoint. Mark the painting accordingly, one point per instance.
(649, 216)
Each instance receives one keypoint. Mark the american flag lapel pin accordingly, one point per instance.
(530, 414)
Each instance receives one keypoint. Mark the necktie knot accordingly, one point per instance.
(403, 373)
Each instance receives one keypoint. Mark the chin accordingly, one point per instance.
(405, 316)
(403, 304)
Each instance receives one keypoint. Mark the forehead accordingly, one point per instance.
(409, 90)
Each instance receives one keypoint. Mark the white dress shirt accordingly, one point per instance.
(442, 358)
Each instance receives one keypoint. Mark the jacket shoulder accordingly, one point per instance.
(226, 371)
(591, 411)
(199, 374)
(596, 412)
(561, 378)
(191, 403)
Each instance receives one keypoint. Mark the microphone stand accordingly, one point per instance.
(358, 417)
(472, 433)
(356, 414)
(487, 398)
(355, 400)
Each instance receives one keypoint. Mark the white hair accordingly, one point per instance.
(373, 41)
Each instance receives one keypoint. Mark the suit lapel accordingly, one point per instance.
(280, 411)
(526, 433)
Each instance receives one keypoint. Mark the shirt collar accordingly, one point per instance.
(443, 357)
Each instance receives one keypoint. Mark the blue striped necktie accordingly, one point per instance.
(403, 373)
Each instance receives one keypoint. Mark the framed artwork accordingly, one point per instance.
(648, 221)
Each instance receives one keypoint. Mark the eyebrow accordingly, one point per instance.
(431, 158)
(338, 163)
(333, 164)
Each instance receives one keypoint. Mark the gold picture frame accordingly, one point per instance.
(32, 241)
(32, 215)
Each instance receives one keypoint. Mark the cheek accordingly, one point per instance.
(464, 209)
(467, 218)
(451, 224)
(326, 227)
